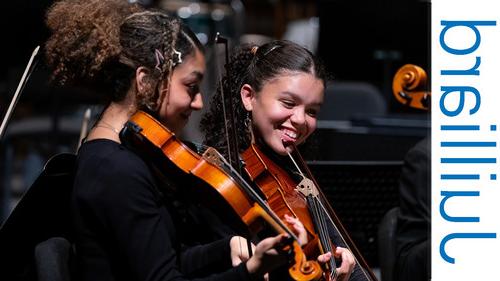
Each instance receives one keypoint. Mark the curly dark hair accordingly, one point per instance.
(100, 43)
(269, 61)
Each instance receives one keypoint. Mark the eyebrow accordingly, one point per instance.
(295, 96)
(197, 74)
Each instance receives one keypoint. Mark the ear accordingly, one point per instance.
(247, 96)
(140, 78)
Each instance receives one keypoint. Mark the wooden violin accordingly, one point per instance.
(303, 200)
(217, 182)
(409, 85)
(281, 193)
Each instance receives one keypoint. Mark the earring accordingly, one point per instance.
(248, 125)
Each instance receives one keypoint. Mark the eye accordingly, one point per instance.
(312, 112)
(193, 88)
(288, 103)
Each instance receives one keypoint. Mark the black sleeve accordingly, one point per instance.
(213, 257)
(141, 230)
(414, 222)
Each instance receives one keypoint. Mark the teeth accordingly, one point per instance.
(290, 134)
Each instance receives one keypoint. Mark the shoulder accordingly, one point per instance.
(106, 169)
(424, 145)
(108, 157)
(421, 150)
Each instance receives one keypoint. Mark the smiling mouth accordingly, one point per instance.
(288, 136)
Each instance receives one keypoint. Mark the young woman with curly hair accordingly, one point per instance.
(276, 91)
(125, 227)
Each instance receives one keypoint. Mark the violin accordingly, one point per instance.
(303, 200)
(218, 183)
(408, 86)
(281, 193)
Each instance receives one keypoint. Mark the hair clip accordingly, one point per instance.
(159, 59)
(179, 57)
(254, 50)
(272, 49)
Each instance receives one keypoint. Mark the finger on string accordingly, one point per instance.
(324, 258)
(298, 227)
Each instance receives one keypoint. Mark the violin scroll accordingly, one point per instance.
(409, 87)
(302, 268)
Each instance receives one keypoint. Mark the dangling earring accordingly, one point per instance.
(248, 125)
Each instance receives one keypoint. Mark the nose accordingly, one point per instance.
(298, 117)
(197, 102)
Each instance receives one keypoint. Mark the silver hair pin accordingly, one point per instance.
(159, 59)
(179, 57)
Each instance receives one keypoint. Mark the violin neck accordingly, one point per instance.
(321, 226)
(331, 213)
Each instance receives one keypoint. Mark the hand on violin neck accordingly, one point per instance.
(298, 228)
(324, 258)
(268, 256)
(239, 250)
(347, 263)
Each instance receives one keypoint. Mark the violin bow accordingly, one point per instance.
(84, 128)
(229, 122)
(228, 111)
(24, 79)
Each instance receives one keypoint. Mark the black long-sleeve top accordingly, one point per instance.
(125, 231)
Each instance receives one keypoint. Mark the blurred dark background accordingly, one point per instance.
(362, 127)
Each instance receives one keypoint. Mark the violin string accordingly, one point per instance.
(296, 166)
(320, 221)
(327, 215)
(333, 264)
(322, 230)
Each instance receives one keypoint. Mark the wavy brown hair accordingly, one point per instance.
(100, 43)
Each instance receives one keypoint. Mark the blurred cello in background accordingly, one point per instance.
(409, 86)
(405, 230)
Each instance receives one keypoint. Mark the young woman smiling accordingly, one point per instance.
(277, 91)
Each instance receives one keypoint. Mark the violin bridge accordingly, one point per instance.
(307, 187)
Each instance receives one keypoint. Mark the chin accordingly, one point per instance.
(281, 150)
(288, 149)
